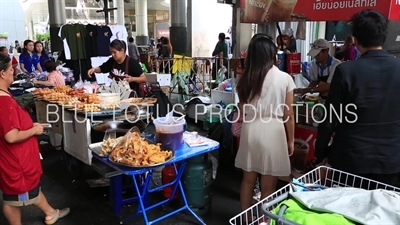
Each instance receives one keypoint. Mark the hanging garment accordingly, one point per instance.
(75, 35)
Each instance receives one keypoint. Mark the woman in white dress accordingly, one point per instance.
(267, 134)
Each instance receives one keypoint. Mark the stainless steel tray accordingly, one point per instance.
(96, 148)
(163, 148)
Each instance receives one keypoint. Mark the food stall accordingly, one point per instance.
(309, 112)
(120, 148)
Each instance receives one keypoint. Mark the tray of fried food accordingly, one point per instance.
(142, 101)
(137, 152)
(87, 108)
(62, 89)
(76, 92)
(109, 106)
(89, 98)
(41, 92)
(56, 97)
(71, 103)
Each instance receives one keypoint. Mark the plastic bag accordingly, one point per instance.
(237, 124)
(129, 149)
(78, 84)
(300, 81)
(110, 140)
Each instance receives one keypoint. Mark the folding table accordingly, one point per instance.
(142, 188)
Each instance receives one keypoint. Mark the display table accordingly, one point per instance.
(142, 186)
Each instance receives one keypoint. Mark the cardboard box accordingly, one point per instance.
(164, 79)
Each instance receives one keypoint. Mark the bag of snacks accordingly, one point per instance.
(109, 142)
(133, 150)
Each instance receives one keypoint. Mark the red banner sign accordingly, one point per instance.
(163, 33)
(395, 10)
(262, 11)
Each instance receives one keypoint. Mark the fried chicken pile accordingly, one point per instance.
(134, 150)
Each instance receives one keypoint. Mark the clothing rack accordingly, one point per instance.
(94, 36)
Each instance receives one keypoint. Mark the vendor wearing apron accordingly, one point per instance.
(322, 69)
(122, 62)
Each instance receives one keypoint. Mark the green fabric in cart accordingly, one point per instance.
(296, 212)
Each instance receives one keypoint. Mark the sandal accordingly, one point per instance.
(60, 214)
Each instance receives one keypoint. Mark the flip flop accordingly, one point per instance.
(60, 214)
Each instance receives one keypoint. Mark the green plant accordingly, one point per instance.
(41, 37)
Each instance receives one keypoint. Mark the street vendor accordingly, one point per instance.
(322, 69)
(124, 64)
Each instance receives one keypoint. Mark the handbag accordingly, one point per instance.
(237, 124)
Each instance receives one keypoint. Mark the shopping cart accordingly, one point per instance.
(322, 176)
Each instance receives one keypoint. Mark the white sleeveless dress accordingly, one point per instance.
(263, 144)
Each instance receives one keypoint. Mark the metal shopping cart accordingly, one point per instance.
(322, 176)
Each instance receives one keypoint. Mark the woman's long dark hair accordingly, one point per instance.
(24, 51)
(34, 48)
(167, 43)
(261, 57)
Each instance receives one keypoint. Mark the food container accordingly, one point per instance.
(293, 63)
(109, 100)
(299, 157)
(281, 61)
(169, 131)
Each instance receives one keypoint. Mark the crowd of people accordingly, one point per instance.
(366, 145)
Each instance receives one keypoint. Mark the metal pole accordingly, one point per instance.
(106, 10)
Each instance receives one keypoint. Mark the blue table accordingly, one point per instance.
(142, 183)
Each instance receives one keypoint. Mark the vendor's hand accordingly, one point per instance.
(129, 78)
(290, 148)
(34, 81)
(90, 72)
(301, 91)
(38, 128)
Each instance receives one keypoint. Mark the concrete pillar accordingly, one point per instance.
(178, 30)
(189, 13)
(142, 32)
(119, 14)
(57, 18)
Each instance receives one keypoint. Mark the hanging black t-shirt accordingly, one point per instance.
(91, 41)
(134, 70)
(103, 40)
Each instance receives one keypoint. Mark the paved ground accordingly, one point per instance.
(90, 206)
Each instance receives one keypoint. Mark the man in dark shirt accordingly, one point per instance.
(133, 49)
(221, 52)
(366, 92)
